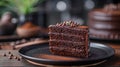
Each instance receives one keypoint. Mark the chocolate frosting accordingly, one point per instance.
(68, 23)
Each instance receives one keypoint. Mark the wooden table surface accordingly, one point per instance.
(6, 62)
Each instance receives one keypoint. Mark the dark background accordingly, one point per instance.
(76, 10)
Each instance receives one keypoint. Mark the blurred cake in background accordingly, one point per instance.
(104, 23)
(28, 30)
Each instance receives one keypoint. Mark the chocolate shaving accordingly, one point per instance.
(68, 23)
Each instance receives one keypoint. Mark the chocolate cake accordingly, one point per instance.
(69, 39)
(104, 23)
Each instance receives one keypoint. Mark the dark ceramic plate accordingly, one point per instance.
(98, 53)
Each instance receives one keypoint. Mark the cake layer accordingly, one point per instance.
(102, 12)
(62, 36)
(72, 44)
(104, 25)
(104, 34)
(104, 18)
(65, 51)
(68, 30)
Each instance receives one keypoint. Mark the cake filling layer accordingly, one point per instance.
(67, 44)
(67, 30)
(69, 51)
(62, 36)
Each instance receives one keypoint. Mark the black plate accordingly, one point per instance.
(98, 53)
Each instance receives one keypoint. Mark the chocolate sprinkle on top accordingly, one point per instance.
(68, 23)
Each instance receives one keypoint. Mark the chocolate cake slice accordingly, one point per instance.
(69, 39)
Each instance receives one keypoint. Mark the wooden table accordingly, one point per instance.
(6, 62)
